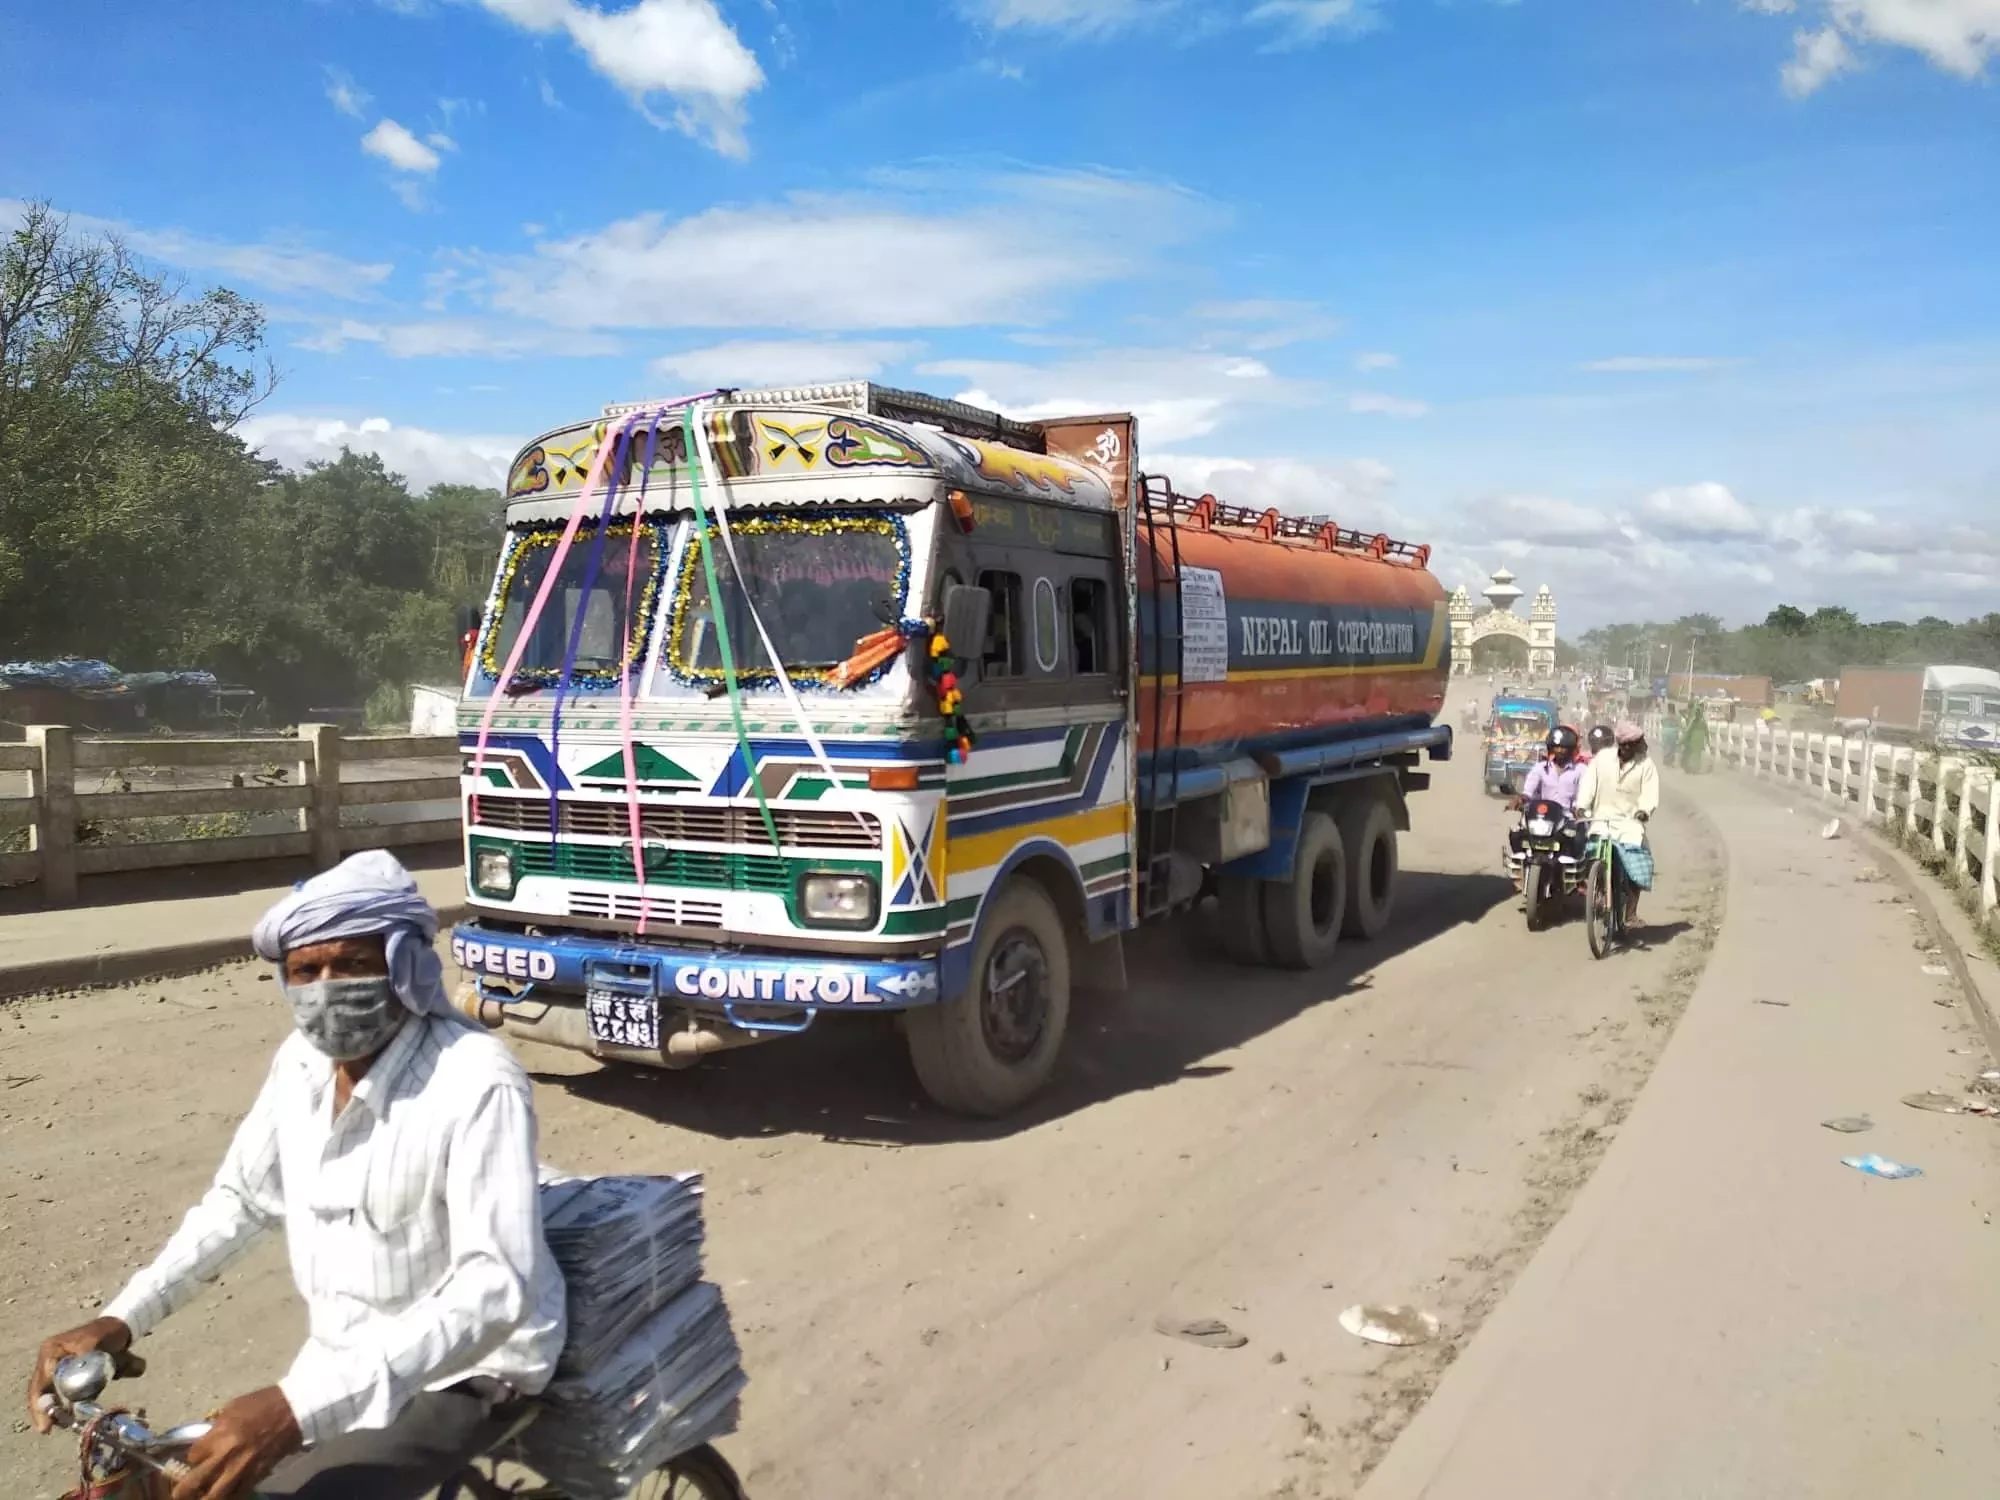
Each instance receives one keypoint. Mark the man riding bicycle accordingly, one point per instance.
(395, 1141)
(1618, 795)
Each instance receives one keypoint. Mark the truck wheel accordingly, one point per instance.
(1240, 902)
(1303, 915)
(1368, 834)
(994, 1047)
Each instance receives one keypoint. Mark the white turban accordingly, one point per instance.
(362, 896)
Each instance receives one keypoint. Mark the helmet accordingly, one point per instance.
(1601, 738)
(1562, 738)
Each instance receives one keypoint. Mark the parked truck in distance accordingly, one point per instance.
(799, 703)
(1957, 707)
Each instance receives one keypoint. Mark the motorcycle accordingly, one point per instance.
(121, 1458)
(1545, 861)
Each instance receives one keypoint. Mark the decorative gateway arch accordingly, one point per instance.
(1470, 624)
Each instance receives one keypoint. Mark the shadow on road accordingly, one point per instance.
(849, 1079)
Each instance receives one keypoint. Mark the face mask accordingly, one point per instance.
(347, 1018)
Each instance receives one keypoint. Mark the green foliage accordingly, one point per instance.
(135, 526)
(1793, 646)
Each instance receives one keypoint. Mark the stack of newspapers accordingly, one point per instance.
(650, 1367)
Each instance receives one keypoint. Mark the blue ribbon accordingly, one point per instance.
(620, 455)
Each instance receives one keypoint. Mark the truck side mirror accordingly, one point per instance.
(968, 609)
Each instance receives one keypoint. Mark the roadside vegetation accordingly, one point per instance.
(136, 527)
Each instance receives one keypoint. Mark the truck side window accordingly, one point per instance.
(1090, 625)
(1048, 628)
(1002, 656)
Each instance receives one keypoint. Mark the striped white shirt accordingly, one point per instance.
(413, 1223)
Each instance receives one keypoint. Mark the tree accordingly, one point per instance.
(1788, 619)
(119, 476)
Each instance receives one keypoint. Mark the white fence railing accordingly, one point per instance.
(1936, 799)
(79, 787)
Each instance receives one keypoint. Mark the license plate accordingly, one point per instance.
(623, 1020)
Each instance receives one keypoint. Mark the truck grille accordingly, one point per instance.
(668, 866)
(710, 823)
(670, 911)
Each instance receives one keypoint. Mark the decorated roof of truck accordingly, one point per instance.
(823, 432)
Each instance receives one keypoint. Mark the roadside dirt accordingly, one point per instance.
(934, 1309)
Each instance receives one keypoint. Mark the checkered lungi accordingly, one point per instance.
(1638, 862)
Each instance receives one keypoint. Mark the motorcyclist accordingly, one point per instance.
(1554, 778)
(1601, 740)
(1617, 796)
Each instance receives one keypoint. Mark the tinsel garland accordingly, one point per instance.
(639, 630)
(830, 524)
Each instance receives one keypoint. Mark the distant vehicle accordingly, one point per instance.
(1957, 706)
(1514, 736)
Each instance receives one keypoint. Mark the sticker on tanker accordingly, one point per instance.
(1204, 626)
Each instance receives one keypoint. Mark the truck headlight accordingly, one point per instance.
(493, 873)
(837, 900)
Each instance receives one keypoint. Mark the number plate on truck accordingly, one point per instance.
(624, 1020)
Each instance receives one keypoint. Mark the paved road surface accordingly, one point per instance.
(935, 1309)
(1729, 1313)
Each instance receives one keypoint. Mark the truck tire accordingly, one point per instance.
(1240, 910)
(994, 1047)
(1368, 834)
(1303, 915)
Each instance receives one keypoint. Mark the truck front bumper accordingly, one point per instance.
(716, 980)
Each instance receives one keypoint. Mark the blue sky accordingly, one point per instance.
(1673, 304)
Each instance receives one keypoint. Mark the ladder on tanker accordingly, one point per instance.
(1160, 823)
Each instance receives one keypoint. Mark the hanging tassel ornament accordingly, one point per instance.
(945, 668)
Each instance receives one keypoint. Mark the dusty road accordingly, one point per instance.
(937, 1310)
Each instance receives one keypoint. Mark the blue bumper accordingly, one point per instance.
(700, 978)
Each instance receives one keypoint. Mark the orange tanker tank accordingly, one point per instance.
(1286, 632)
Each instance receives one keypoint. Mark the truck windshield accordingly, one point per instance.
(606, 641)
(819, 583)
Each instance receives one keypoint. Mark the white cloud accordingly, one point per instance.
(345, 95)
(1082, 17)
(1353, 492)
(274, 265)
(1959, 36)
(1264, 323)
(1304, 21)
(1639, 364)
(1548, 521)
(394, 144)
(858, 260)
(1698, 512)
(1375, 359)
(743, 363)
(1816, 57)
(439, 141)
(1176, 394)
(422, 456)
(458, 338)
(683, 49)
(1375, 403)
(548, 94)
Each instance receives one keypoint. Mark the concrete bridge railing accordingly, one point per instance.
(1944, 806)
(79, 786)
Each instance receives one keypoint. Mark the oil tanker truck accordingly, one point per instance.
(790, 705)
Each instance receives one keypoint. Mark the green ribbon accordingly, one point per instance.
(722, 625)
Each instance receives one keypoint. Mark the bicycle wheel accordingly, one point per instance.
(1600, 912)
(698, 1474)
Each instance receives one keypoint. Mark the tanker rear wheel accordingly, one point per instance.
(1368, 835)
(1303, 915)
(1240, 910)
